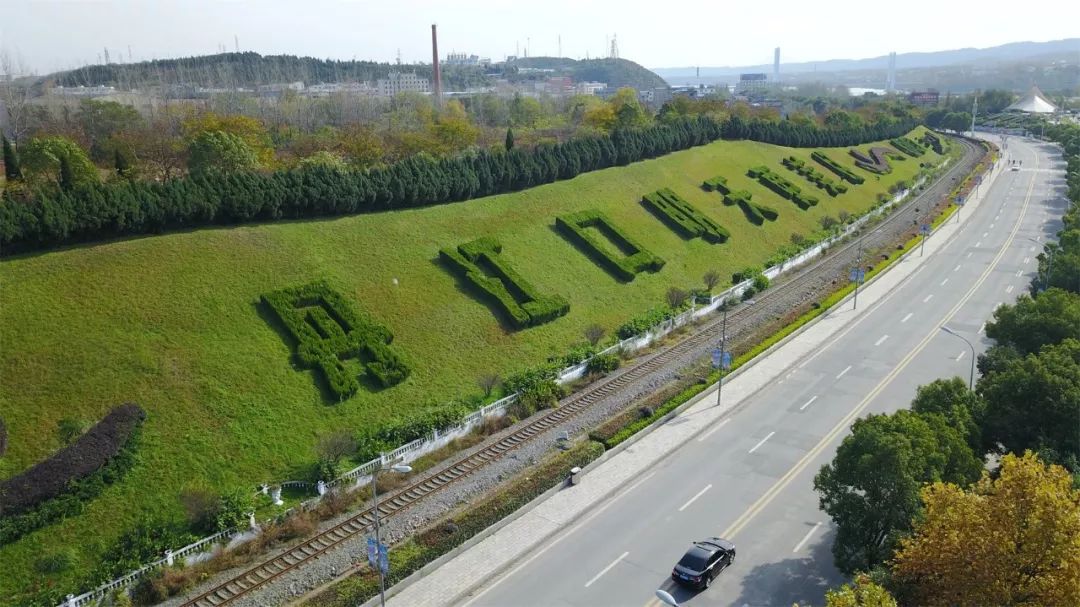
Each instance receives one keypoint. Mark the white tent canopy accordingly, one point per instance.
(1034, 102)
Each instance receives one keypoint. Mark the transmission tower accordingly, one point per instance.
(614, 54)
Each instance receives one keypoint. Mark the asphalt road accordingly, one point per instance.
(749, 478)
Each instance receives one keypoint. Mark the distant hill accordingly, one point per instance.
(251, 69)
(615, 72)
(1013, 51)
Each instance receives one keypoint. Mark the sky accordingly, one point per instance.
(50, 35)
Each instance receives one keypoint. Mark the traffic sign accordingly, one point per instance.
(925, 229)
(978, 179)
(726, 361)
(372, 552)
(384, 560)
(857, 274)
(959, 201)
(717, 357)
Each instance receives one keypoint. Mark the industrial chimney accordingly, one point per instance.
(436, 75)
(776, 66)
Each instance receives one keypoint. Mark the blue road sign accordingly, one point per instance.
(925, 229)
(857, 274)
(716, 357)
(978, 179)
(372, 552)
(726, 361)
(960, 201)
(384, 560)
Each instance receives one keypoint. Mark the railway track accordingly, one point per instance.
(837, 261)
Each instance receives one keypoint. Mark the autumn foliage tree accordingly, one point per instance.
(861, 592)
(1010, 540)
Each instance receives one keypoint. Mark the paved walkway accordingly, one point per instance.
(529, 535)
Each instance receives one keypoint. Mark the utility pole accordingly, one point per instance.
(974, 112)
(723, 351)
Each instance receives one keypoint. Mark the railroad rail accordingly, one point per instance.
(837, 261)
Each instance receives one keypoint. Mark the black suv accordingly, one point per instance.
(703, 562)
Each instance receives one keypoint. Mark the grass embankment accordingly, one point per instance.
(171, 322)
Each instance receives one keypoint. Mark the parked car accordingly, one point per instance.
(703, 562)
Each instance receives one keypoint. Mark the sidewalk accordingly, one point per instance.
(482, 563)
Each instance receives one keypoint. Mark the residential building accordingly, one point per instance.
(399, 82)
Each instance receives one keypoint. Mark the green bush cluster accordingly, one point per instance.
(782, 186)
(907, 146)
(328, 330)
(642, 323)
(841, 171)
(108, 448)
(683, 218)
(603, 363)
(814, 176)
(516, 297)
(637, 259)
(932, 141)
(401, 431)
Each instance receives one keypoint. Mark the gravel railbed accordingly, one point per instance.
(790, 291)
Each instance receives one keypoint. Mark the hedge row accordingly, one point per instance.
(683, 218)
(933, 142)
(782, 186)
(48, 217)
(907, 146)
(62, 485)
(757, 213)
(841, 171)
(876, 162)
(814, 176)
(328, 330)
(624, 267)
(516, 297)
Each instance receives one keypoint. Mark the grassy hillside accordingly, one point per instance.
(171, 323)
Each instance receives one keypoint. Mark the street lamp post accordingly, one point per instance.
(971, 375)
(723, 346)
(400, 468)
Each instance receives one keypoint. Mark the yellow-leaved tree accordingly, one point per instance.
(1010, 540)
(862, 592)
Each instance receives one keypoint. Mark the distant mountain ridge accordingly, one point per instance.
(1012, 51)
(249, 69)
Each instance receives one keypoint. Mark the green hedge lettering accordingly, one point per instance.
(329, 330)
(634, 258)
(480, 264)
(683, 218)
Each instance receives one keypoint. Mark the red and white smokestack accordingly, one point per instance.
(436, 74)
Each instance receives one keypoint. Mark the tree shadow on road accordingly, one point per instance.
(802, 579)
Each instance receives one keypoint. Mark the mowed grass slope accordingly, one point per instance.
(171, 322)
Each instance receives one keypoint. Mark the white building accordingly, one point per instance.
(346, 88)
(398, 82)
(590, 88)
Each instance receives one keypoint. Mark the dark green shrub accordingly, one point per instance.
(397, 432)
(500, 284)
(745, 274)
(603, 363)
(907, 146)
(56, 562)
(575, 227)
(233, 509)
(716, 184)
(642, 323)
(761, 282)
(143, 543)
(782, 186)
(328, 329)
